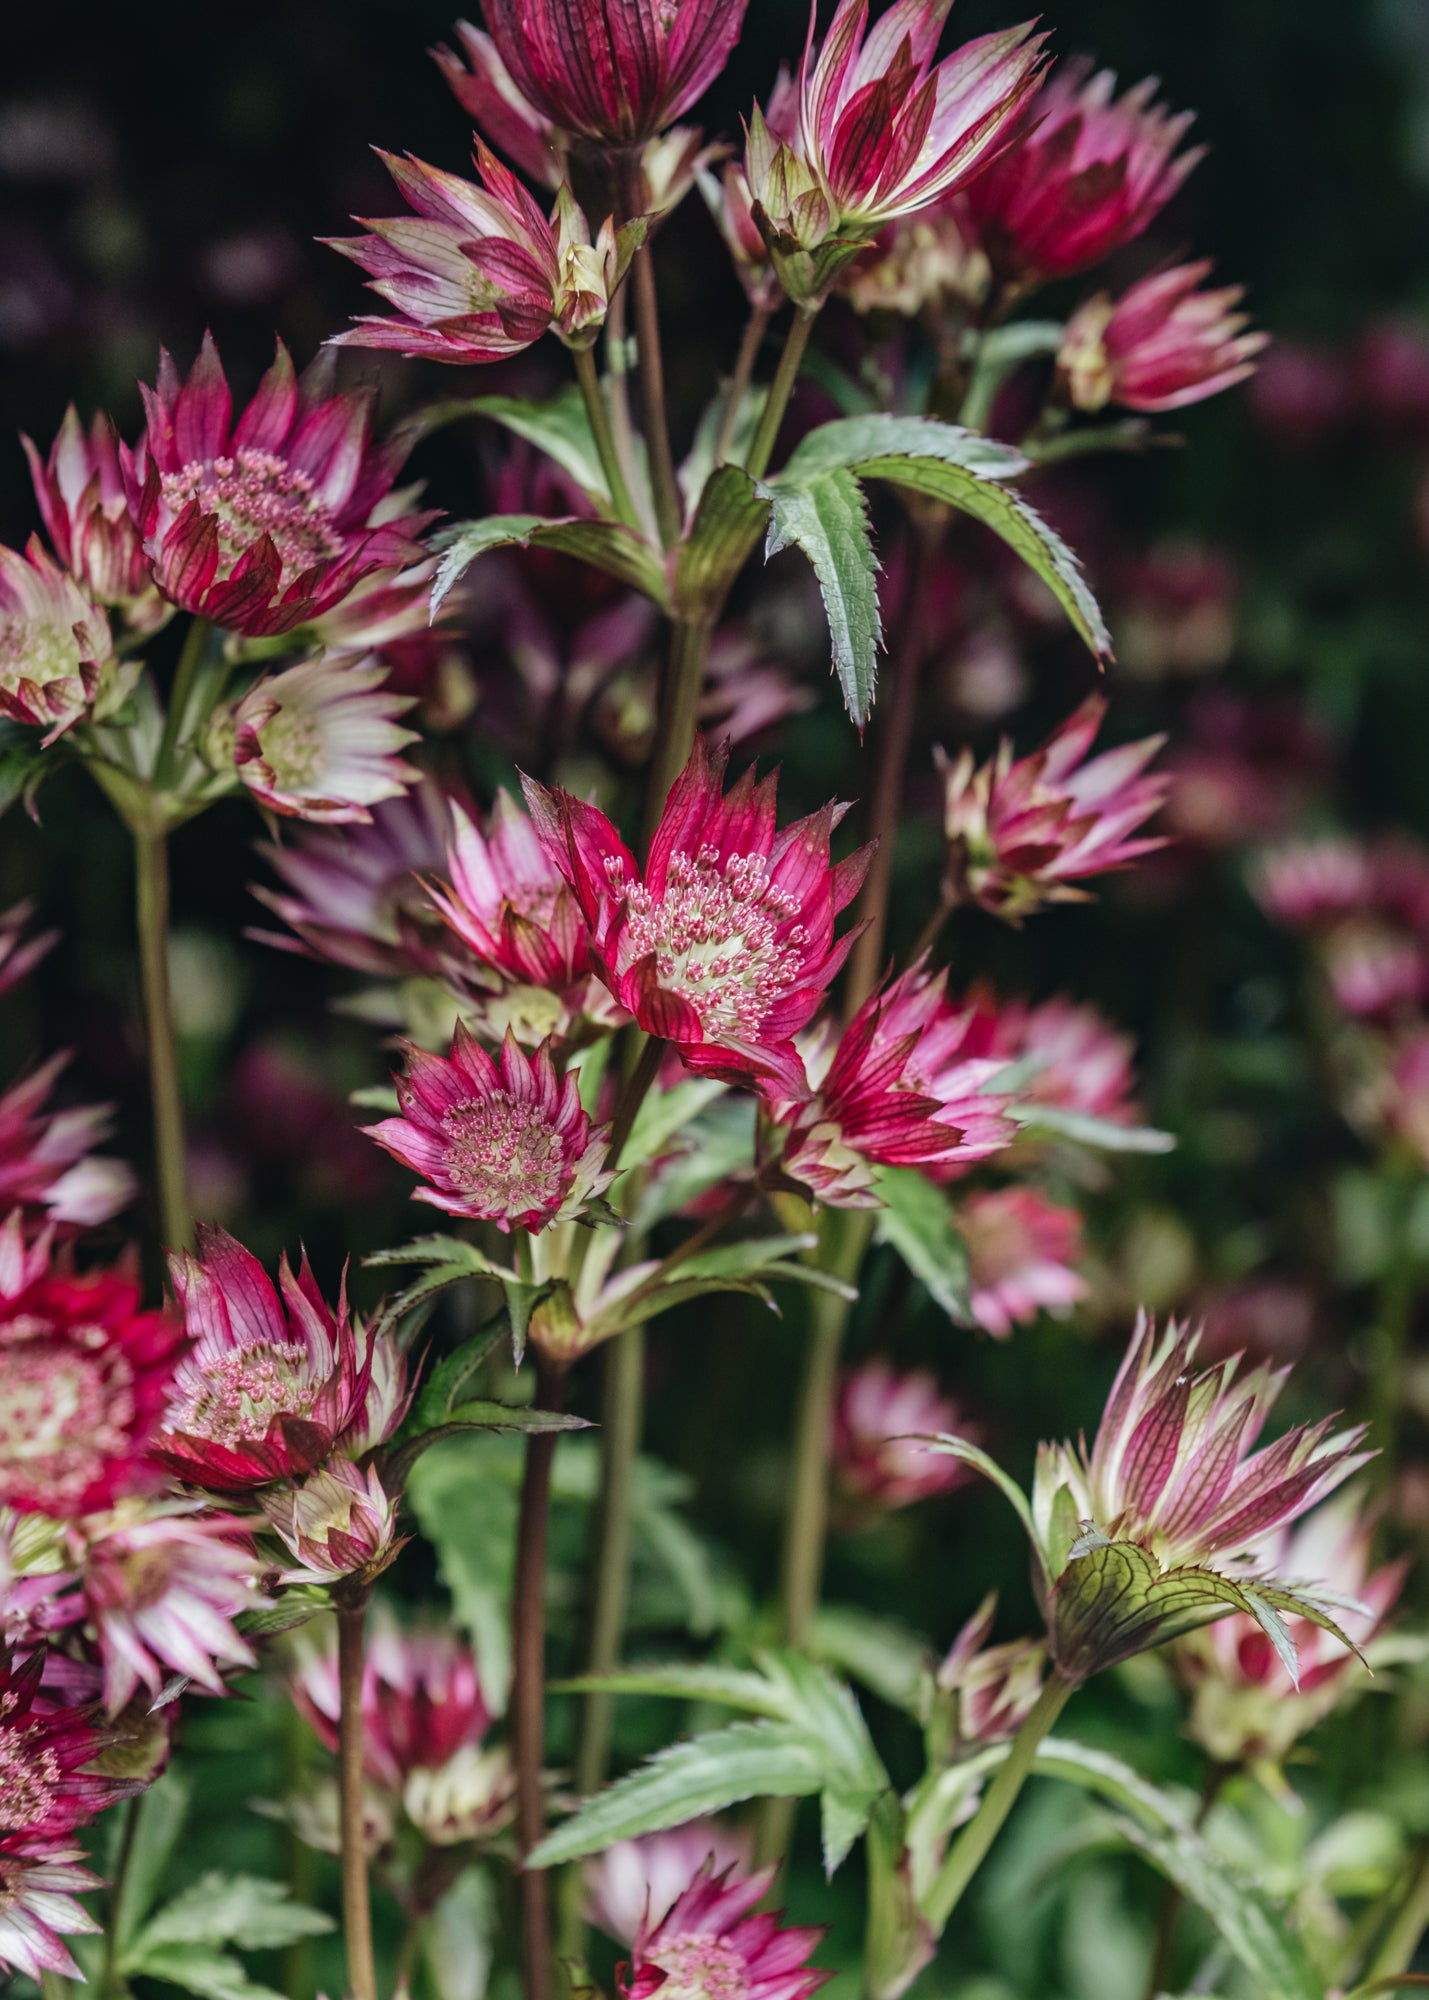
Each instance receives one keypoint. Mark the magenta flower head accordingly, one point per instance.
(709, 1942)
(48, 1786)
(909, 1085)
(1024, 832)
(274, 1378)
(488, 93)
(1161, 345)
(478, 273)
(724, 943)
(506, 1142)
(56, 650)
(38, 1909)
(320, 741)
(47, 1166)
(1022, 1251)
(616, 71)
(264, 524)
(632, 1881)
(85, 509)
(883, 1422)
(1089, 172)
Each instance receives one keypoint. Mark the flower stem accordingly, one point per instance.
(622, 1414)
(679, 714)
(110, 1982)
(1168, 1918)
(755, 329)
(151, 904)
(180, 694)
(630, 195)
(1402, 1940)
(780, 390)
(528, 1689)
(633, 1092)
(598, 414)
(356, 1902)
(972, 1844)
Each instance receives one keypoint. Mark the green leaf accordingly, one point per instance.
(23, 764)
(827, 517)
(231, 1909)
(606, 545)
(560, 428)
(729, 520)
(213, 1975)
(447, 1382)
(715, 1145)
(734, 1687)
(166, 1805)
(880, 1653)
(664, 1115)
(1007, 1486)
(297, 1606)
(1114, 1600)
(751, 1257)
(844, 1814)
(852, 444)
(483, 1416)
(917, 1221)
(1103, 1133)
(465, 1502)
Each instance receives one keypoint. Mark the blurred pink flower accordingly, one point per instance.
(996, 1686)
(880, 1421)
(46, 1162)
(1021, 1253)
(38, 1909)
(1160, 346)
(633, 1881)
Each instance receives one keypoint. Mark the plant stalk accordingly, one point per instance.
(110, 1982)
(1172, 1900)
(180, 694)
(528, 1687)
(622, 1414)
(780, 390)
(1401, 1941)
(679, 714)
(151, 905)
(755, 329)
(598, 415)
(356, 1900)
(630, 195)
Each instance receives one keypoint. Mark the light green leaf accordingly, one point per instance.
(733, 1687)
(464, 1498)
(715, 1145)
(1007, 1486)
(665, 1114)
(166, 1805)
(852, 443)
(751, 1257)
(1103, 1133)
(844, 1816)
(880, 1653)
(231, 1909)
(560, 428)
(826, 516)
(213, 1975)
(917, 1221)
(606, 545)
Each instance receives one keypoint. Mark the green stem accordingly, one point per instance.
(630, 197)
(180, 694)
(598, 415)
(970, 1848)
(780, 390)
(622, 1415)
(110, 1982)
(1172, 1900)
(1402, 1940)
(528, 1685)
(1389, 1344)
(755, 329)
(151, 903)
(356, 1898)
(679, 715)
(637, 1083)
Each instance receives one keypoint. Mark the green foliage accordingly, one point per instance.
(917, 1220)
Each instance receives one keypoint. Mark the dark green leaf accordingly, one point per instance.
(213, 1975)
(853, 444)
(606, 545)
(826, 516)
(725, 532)
(448, 1381)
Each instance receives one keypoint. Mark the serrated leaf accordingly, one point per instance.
(213, 1975)
(605, 545)
(560, 428)
(844, 1814)
(1103, 1133)
(230, 1909)
(826, 516)
(728, 522)
(917, 1221)
(484, 1416)
(880, 1653)
(294, 1608)
(851, 443)
(438, 1250)
(447, 1382)
(734, 1687)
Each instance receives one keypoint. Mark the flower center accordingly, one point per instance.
(700, 1968)
(507, 1156)
(66, 1407)
(252, 494)
(235, 1399)
(29, 1775)
(716, 938)
(292, 747)
(34, 649)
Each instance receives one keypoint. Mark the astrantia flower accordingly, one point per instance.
(320, 741)
(470, 1797)
(1021, 1252)
(84, 1373)
(1077, 1059)
(633, 1881)
(724, 942)
(707, 1942)
(1161, 345)
(909, 1085)
(1023, 832)
(422, 1700)
(613, 70)
(339, 1522)
(264, 524)
(20, 949)
(55, 644)
(37, 1910)
(478, 273)
(82, 499)
(508, 1143)
(46, 1791)
(1311, 883)
(995, 1687)
(46, 1162)
(1366, 906)
(1088, 173)
(488, 93)
(882, 1424)
(271, 1383)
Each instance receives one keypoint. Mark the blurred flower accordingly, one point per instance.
(1076, 1058)
(1161, 345)
(1088, 172)
(1271, 1319)
(85, 509)
(338, 1522)
(745, 691)
(45, 1160)
(1366, 907)
(47, 1784)
(264, 524)
(316, 1818)
(1391, 369)
(708, 1942)
(270, 1384)
(37, 1909)
(490, 96)
(422, 1699)
(1242, 769)
(1023, 833)
(996, 1687)
(1021, 1252)
(21, 950)
(724, 943)
(635, 1880)
(470, 1797)
(478, 273)
(1308, 883)
(55, 645)
(1408, 1094)
(320, 741)
(919, 261)
(508, 1143)
(1302, 394)
(882, 1421)
(1176, 614)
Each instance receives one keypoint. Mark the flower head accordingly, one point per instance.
(55, 644)
(507, 1142)
(707, 1943)
(47, 1784)
(478, 273)
(470, 1797)
(1021, 1252)
(490, 96)
(882, 1421)
(635, 1880)
(1023, 832)
(992, 1688)
(422, 1700)
(1076, 1057)
(46, 1163)
(320, 741)
(338, 1522)
(82, 500)
(1089, 172)
(724, 942)
(265, 524)
(1161, 345)
(38, 1909)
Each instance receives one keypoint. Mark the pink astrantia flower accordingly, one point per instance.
(422, 1700)
(633, 1881)
(320, 741)
(1366, 907)
(1089, 172)
(613, 70)
(46, 1791)
(908, 1086)
(274, 1378)
(507, 1142)
(83, 1378)
(996, 1687)
(724, 942)
(882, 1421)
(38, 1910)
(1161, 345)
(1077, 1059)
(1310, 883)
(478, 273)
(47, 1165)
(490, 96)
(1021, 1250)
(339, 1522)
(55, 644)
(264, 524)
(1023, 832)
(708, 1942)
(85, 508)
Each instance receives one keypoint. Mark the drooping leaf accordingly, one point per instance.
(605, 545)
(917, 1220)
(664, 1114)
(560, 428)
(197, 1968)
(826, 516)
(852, 444)
(1007, 1486)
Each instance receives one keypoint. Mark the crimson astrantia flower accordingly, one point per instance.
(881, 1427)
(338, 1522)
(55, 644)
(994, 1687)
(38, 1909)
(1311, 883)
(908, 1086)
(273, 1379)
(422, 1700)
(478, 273)
(1023, 832)
(45, 1789)
(1088, 173)
(613, 70)
(46, 1162)
(320, 740)
(633, 1881)
(82, 499)
(1021, 1252)
(83, 1377)
(507, 1142)
(709, 1942)
(724, 942)
(1161, 345)
(264, 524)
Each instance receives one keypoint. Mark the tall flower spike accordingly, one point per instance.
(81, 497)
(1161, 345)
(264, 524)
(56, 650)
(724, 942)
(478, 273)
(320, 741)
(707, 1942)
(507, 1143)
